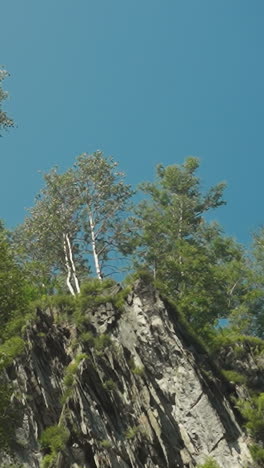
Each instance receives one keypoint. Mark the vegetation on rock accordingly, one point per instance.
(210, 463)
(80, 220)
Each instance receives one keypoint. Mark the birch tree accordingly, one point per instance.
(103, 198)
(77, 219)
(49, 233)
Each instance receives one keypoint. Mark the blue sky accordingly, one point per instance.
(146, 81)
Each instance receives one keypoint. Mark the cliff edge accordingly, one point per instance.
(125, 387)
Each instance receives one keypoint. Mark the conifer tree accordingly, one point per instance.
(196, 265)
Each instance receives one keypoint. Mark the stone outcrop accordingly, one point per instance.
(147, 397)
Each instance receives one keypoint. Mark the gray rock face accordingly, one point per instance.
(145, 399)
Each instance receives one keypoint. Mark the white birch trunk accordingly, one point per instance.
(73, 269)
(95, 256)
(69, 273)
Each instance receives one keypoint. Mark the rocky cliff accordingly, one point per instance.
(132, 389)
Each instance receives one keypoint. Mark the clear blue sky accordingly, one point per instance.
(146, 81)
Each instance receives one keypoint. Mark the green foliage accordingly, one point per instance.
(104, 199)
(42, 335)
(88, 338)
(14, 294)
(138, 371)
(72, 369)
(54, 439)
(145, 274)
(70, 377)
(48, 460)
(9, 416)
(102, 342)
(190, 258)
(119, 299)
(63, 302)
(257, 453)
(198, 340)
(109, 385)
(9, 350)
(253, 411)
(240, 344)
(209, 463)
(99, 343)
(234, 377)
(94, 293)
(256, 319)
(93, 286)
(17, 323)
(106, 444)
(88, 202)
(47, 236)
(131, 432)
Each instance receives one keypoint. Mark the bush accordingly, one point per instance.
(14, 292)
(102, 341)
(9, 350)
(229, 338)
(106, 444)
(234, 377)
(48, 460)
(131, 432)
(209, 463)
(109, 385)
(253, 411)
(9, 416)
(70, 376)
(257, 453)
(95, 293)
(138, 371)
(91, 294)
(54, 438)
(118, 300)
(87, 337)
(17, 323)
(72, 369)
(145, 274)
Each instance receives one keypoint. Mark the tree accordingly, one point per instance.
(196, 265)
(13, 286)
(77, 218)
(173, 212)
(48, 236)
(103, 201)
(256, 317)
(5, 120)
